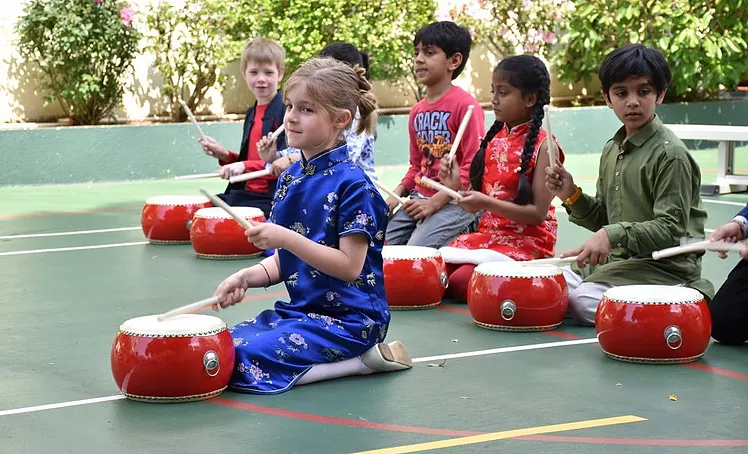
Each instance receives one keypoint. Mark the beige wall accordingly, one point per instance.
(21, 101)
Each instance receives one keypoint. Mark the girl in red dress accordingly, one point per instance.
(519, 222)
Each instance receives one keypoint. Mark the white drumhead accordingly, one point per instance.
(177, 200)
(404, 252)
(653, 294)
(516, 269)
(177, 326)
(220, 213)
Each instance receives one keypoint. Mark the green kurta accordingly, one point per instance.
(648, 197)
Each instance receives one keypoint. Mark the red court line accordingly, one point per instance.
(453, 309)
(338, 421)
(261, 409)
(633, 441)
(54, 213)
(718, 371)
(263, 296)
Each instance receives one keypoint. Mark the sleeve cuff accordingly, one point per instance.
(743, 222)
(617, 235)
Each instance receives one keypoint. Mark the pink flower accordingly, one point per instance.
(126, 15)
(549, 37)
(99, 1)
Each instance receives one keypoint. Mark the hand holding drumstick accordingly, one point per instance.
(730, 233)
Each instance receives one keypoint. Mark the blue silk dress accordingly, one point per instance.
(326, 319)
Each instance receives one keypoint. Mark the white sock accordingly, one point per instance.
(329, 371)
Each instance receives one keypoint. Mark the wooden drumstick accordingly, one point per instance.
(449, 191)
(551, 144)
(250, 175)
(192, 118)
(277, 132)
(700, 246)
(198, 176)
(551, 261)
(246, 223)
(190, 308)
(392, 194)
(461, 131)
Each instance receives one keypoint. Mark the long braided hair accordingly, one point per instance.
(528, 74)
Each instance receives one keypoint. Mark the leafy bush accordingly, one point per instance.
(703, 40)
(83, 47)
(383, 29)
(191, 47)
(510, 27)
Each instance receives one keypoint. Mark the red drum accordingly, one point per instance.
(216, 235)
(184, 358)
(415, 277)
(165, 219)
(653, 324)
(510, 296)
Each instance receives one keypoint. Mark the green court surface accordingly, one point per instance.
(470, 390)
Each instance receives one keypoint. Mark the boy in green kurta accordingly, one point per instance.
(647, 192)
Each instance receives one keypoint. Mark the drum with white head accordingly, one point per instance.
(415, 277)
(654, 324)
(510, 296)
(166, 219)
(183, 358)
(216, 235)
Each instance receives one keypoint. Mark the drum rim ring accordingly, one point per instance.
(211, 332)
(550, 273)
(414, 308)
(653, 303)
(517, 328)
(639, 360)
(175, 399)
(228, 257)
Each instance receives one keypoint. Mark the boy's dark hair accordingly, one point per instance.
(347, 53)
(529, 74)
(449, 37)
(635, 60)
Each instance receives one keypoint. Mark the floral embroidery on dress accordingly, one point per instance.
(299, 228)
(293, 280)
(513, 239)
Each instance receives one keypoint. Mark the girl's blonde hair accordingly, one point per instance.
(335, 87)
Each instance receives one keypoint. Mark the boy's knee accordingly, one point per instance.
(583, 302)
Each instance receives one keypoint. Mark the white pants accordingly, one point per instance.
(583, 297)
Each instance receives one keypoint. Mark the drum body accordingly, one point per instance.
(653, 324)
(184, 358)
(415, 277)
(216, 235)
(510, 296)
(165, 219)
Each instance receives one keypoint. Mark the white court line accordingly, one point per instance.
(72, 403)
(724, 202)
(77, 248)
(78, 232)
(518, 348)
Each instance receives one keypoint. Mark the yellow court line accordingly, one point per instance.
(505, 434)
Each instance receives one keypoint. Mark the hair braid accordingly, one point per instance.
(524, 189)
(479, 160)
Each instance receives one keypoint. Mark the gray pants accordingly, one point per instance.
(435, 231)
(584, 297)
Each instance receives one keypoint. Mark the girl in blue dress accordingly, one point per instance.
(327, 225)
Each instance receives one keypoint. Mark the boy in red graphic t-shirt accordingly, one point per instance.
(430, 218)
